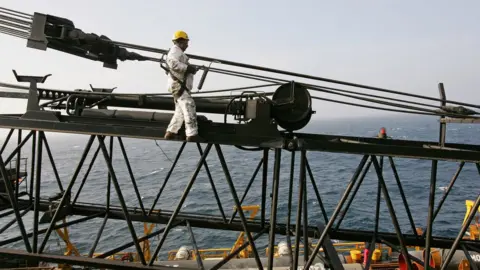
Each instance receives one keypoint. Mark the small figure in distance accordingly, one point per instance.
(180, 83)
(382, 134)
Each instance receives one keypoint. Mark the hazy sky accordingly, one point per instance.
(409, 46)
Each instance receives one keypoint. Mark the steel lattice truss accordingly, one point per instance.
(259, 117)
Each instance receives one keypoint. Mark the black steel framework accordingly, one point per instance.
(259, 116)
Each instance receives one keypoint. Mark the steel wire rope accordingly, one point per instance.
(330, 100)
(396, 105)
(6, 85)
(321, 88)
(15, 25)
(156, 50)
(318, 88)
(13, 32)
(13, 86)
(233, 73)
(230, 96)
(234, 89)
(219, 90)
(376, 108)
(14, 20)
(308, 85)
(266, 94)
(162, 51)
(161, 149)
(17, 13)
(247, 75)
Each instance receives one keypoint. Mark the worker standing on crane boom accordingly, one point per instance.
(180, 83)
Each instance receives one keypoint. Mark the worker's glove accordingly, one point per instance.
(192, 69)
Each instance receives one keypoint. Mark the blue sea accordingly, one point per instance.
(332, 172)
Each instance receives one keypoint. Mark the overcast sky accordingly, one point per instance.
(408, 46)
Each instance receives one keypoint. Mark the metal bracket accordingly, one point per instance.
(33, 99)
(102, 90)
(33, 109)
(443, 126)
(295, 144)
(37, 38)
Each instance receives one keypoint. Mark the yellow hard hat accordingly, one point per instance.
(180, 34)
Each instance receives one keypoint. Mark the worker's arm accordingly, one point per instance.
(173, 61)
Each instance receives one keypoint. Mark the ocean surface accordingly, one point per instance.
(151, 161)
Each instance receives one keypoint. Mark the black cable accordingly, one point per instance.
(163, 151)
(111, 94)
(219, 90)
(248, 75)
(15, 20)
(317, 88)
(231, 96)
(314, 87)
(231, 72)
(17, 13)
(254, 149)
(391, 104)
(14, 25)
(236, 89)
(13, 32)
(202, 58)
(322, 88)
(225, 62)
(373, 107)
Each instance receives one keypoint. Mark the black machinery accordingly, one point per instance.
(290, 107)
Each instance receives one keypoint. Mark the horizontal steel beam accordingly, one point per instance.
(216, 222)
(427, 151)
(83, 261)
(245, 135)
(12, 94)
(460, 120)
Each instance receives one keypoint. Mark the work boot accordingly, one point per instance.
(194, 138)
(169, 135)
